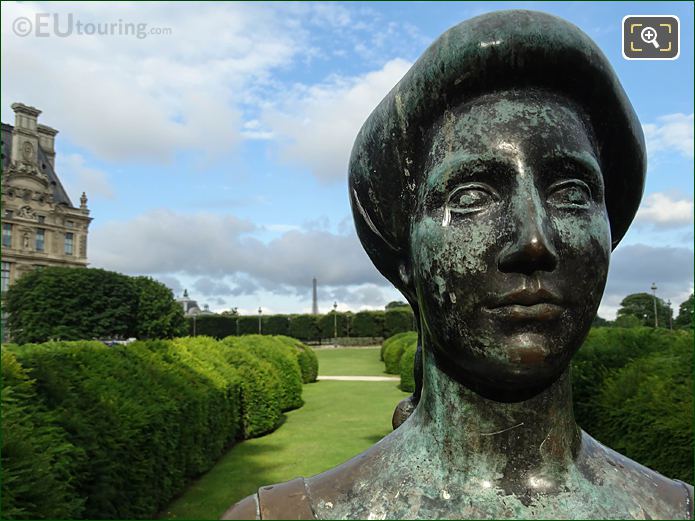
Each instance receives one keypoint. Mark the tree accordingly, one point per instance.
(685, 314)
(627, 321)
(641, 305)
(71, 304)
(158, 313)
(600, 322)
(397, 304)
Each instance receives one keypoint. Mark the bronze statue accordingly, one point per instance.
(490, 187)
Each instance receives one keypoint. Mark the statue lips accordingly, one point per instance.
(528, 305)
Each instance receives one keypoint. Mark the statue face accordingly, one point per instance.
(510, 243)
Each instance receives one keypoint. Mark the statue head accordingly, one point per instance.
(490, 187)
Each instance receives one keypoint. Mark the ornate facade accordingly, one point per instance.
(40, 225)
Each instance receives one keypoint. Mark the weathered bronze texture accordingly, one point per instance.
(490, 187)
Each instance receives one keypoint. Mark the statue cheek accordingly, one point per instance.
(582, 234)
(448, 258)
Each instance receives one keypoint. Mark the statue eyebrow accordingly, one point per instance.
(457, 167)
(589, 167)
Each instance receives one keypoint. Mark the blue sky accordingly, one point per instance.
(214, 156)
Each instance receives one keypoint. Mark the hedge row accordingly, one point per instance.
(312, 328)
(393, 350)
(91, 431)
(632, 389)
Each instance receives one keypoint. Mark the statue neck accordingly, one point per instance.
(533, 440)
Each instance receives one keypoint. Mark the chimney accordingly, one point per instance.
(47, 142)
(25, 140)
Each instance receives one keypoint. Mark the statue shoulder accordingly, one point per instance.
(289, 500)
(669, 498)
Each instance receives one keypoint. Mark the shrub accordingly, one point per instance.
(407, 368)
(608, 349)
(368, 324)
(306, 358)
(646, 411)
(330, 321)
(304, 327)
(276, 325)
(71, 304)
(391, 340)
(260, 389)
(283, 359)
(398, 320)
(215, 326)
(248, 325)
(394, 351)
(38, 461)
(147, 422)
(158, 314)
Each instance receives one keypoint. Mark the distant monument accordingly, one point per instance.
(490, 186)
(315, 299)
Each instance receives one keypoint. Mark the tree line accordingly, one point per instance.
(88, 303)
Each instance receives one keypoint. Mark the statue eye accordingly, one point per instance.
(471, 197)
(570, 194)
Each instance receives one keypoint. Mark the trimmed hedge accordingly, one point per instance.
(38, 462)
(306, 358)
(408, 368)
(368, 323)
(284, 362)
(216, 326)
(394, 350)
(91, 431)
(305, 327)
(391, 340)
(646, 411)
(275, 325)
(312, 328)
(398, 320)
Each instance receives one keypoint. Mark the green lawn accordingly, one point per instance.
(337, 421)
(350, 362)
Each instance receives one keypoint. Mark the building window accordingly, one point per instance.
(8, 214)
(5, 276)
(7, 235)
(40, 239)
(42, 219)
(69, 239)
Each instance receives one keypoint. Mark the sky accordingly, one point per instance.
(212, 139)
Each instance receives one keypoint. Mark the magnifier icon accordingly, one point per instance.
(648, 35)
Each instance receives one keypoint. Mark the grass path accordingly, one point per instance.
(338, 421)
(350, 362)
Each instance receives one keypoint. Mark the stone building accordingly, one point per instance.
(190, 306)
(40, 225)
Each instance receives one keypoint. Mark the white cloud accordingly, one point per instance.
(217, 247)
(634, 267)
(319, 123)
(124, 98)
(78, 177)
(671, 133)
(665, 211)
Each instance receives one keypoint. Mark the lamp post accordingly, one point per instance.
(260, 314)
(193, 325)
(236, 314)
(656, 319)
(335, 321)
(670, 314)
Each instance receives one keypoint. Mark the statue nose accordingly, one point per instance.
(530, 250)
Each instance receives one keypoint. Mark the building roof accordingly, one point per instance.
(60, 196)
